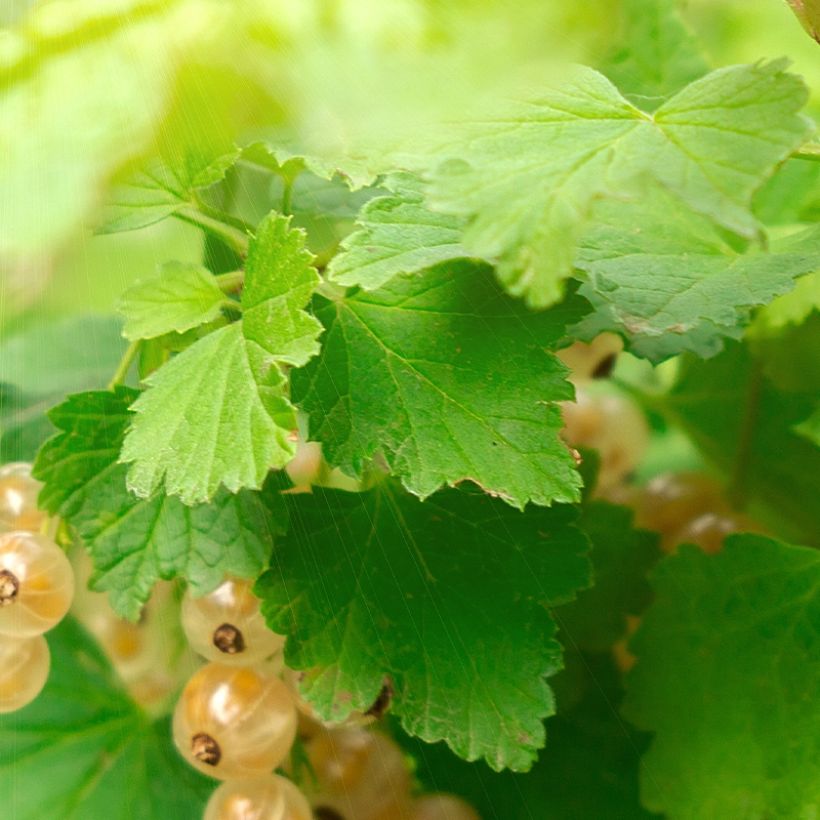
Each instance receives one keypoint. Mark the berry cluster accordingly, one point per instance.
(239, 716)
(36, 588)
(681, 507)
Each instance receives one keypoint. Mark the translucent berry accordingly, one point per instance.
(670, 500)
(709, 530)
(442, 807)
(234, 722)
(306, 466)
(611, 424)
(264, 798)
(18, 498)
(24, 665)
(593, 360)
(359, 774)
(313, 722)
(36, 584)
(226, 625)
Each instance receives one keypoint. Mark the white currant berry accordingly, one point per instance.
(709, 530)
(36, 584)
(611, 424)
(442, 807)
(226, 625)
(18, 498)
(670, 500)
(264, 798)
(594, 359)
(314, 722)
(359, 774)
(234, 722)
(306, 466)
(24, 665)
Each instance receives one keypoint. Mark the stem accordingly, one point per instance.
(125, 365)
(230, 282)
(287, 194)
(810, 152)
(737, 484)
(233, 237)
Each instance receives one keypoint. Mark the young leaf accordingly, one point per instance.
(727, 676)
(445, 597)
(526, 178)
(135, 542)
(161, 189)
(218, 413)
(83, 749)
(449, 380)
(184, 296)
(666, 279)
(396, 234)
(659, 55)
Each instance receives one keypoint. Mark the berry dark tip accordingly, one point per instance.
(228, 639)
(382, 702)
(605, 367)
(326, 813)
(9, 587)
(205, 749)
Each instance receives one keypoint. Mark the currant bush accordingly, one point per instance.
(409, 410)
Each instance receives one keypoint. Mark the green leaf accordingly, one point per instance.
(396, 234)
(163, 188)
(218, 413)
(667, 280)
(84, 751)
(526, 178)
(135, 542)
(449, 380)
(727, 676)
(589, 768)
(54, 357)
(621, 558)
(744, 424)
(659, 55)
(445, 597)
(184, 296)
(40, 364)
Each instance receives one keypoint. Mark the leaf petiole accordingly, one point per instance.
(230, 282)
(232, 236)
(125, 364)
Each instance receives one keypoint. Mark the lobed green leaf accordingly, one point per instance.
(448, 380)
(134, 542)
(727, 673)
(218, 414)
(447, 598)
